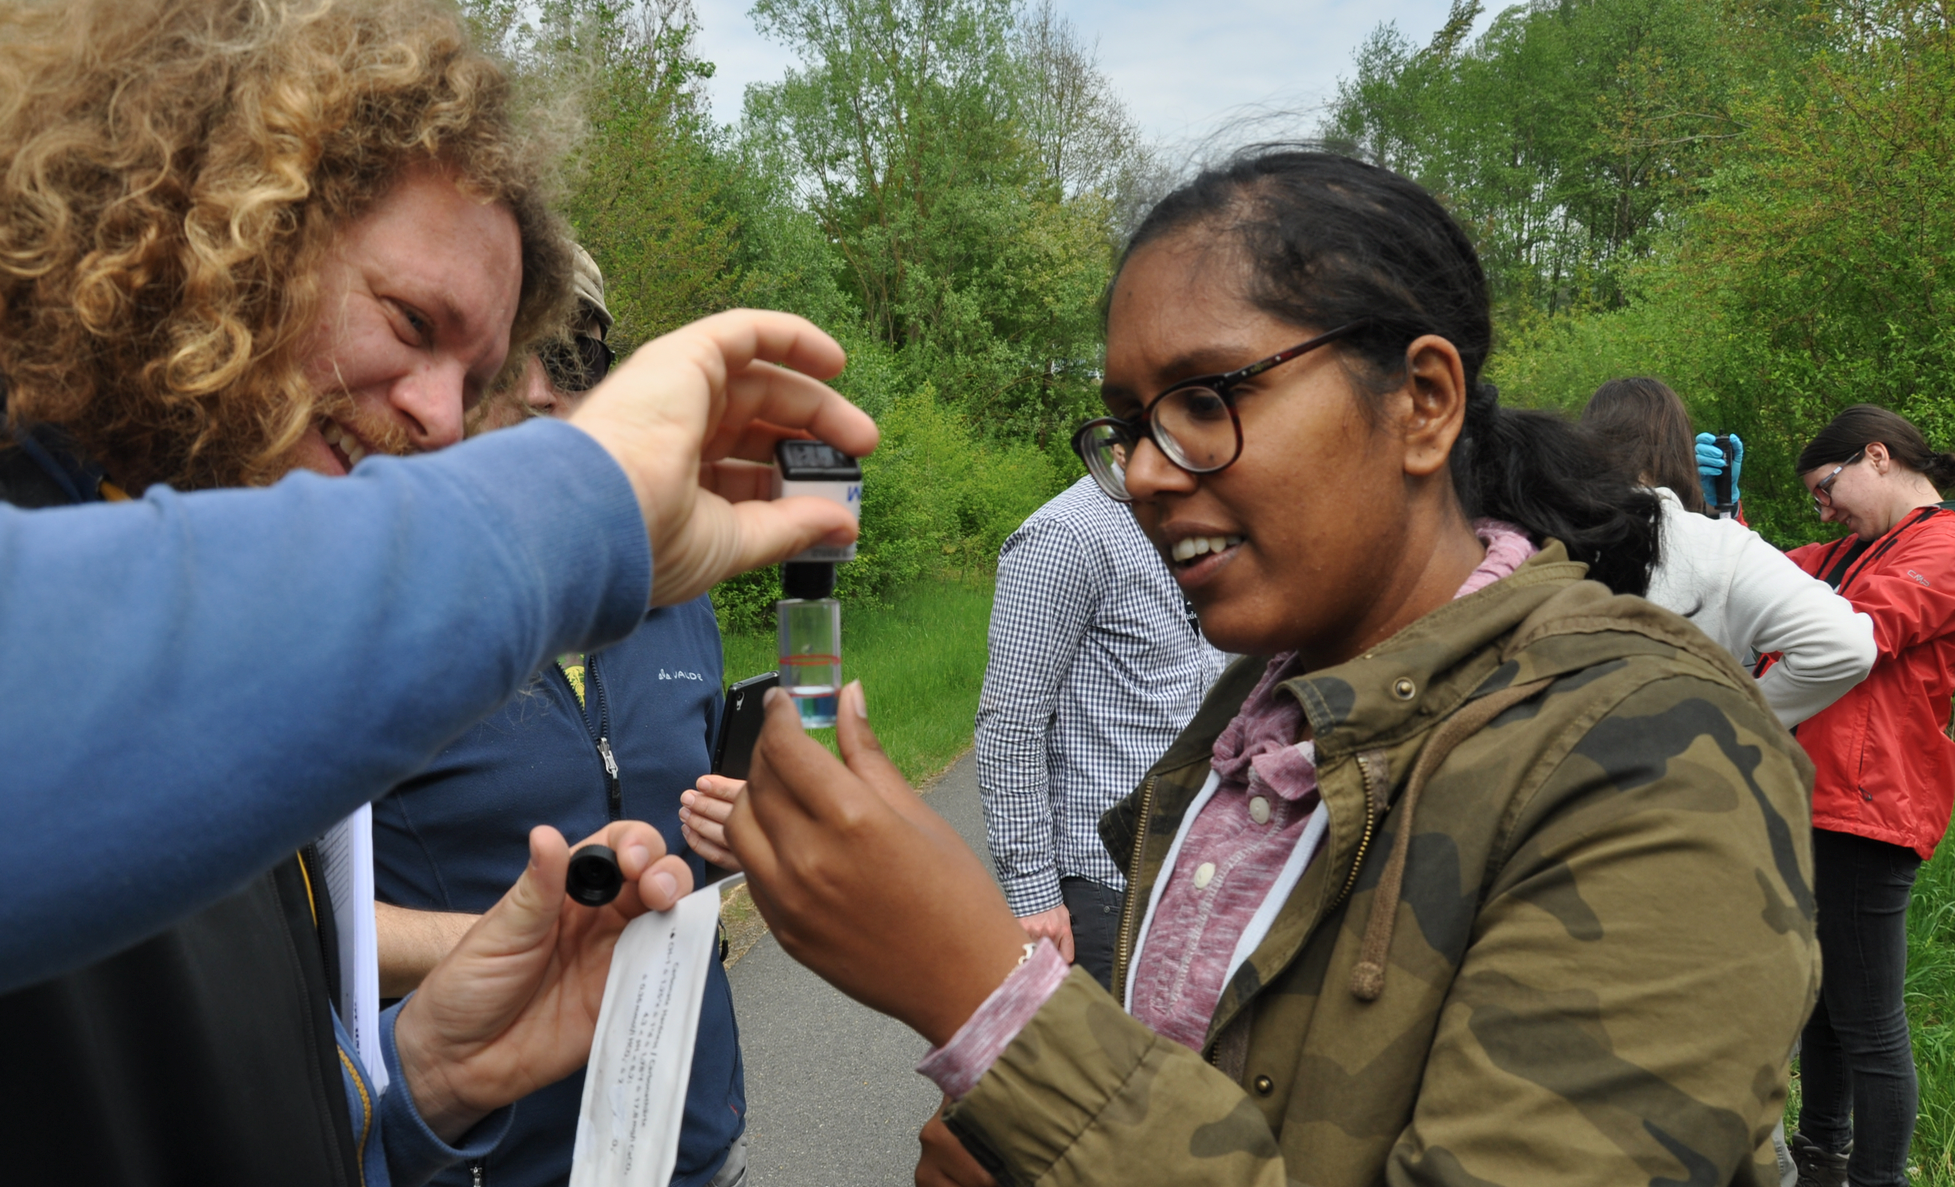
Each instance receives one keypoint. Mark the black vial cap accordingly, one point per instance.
(595, 878)
(808, 579)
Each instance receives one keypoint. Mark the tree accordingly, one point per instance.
(957, 163)
(1565, 137)
(1812, 268)
(650, 192)
(1081, 132)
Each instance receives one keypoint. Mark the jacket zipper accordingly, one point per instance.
(613, 789)
(1130, 910)
(1364, 839)
(478, 1173)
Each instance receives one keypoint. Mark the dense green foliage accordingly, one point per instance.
(1744, 197)
(956, 167)
(1931, 1014)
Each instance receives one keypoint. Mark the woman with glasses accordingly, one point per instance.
(1475, 871)
(1886, 777)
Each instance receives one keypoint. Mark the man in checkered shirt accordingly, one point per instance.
(1096, 664)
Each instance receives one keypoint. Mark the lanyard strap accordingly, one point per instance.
(1879, 550)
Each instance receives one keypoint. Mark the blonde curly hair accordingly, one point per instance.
(172, 173)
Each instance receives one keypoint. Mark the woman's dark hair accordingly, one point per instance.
(1645, 428)
(1331, 240)
(1864, 424)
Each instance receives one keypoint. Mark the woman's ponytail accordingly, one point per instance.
(1940, 470)
(1541, 473)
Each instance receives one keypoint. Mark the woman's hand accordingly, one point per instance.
(514, 1006)
(862, 883)
(1055, 925)
(945, 1162)
(689, 415)
(702, 818)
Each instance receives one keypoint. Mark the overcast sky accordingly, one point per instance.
(1184, 67)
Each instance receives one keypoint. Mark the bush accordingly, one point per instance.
(937, 498)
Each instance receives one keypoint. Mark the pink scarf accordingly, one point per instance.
(1258, 748)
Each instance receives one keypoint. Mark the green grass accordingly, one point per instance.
(1931, 1017)
(920, 656)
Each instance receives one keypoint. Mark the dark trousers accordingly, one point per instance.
(1096, 922)
(1856, 1066)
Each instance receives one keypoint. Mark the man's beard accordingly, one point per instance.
(378, 433)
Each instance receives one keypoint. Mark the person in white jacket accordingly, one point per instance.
(1732, 585)
(1745, 594)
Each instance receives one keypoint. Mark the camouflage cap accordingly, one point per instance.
(589, 285)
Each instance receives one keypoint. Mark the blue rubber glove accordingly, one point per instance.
(1710, 464)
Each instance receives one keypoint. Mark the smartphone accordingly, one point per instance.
(740, 722)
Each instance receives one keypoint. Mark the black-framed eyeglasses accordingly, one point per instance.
(1822, 491)
(579, 363)
(1194, 423)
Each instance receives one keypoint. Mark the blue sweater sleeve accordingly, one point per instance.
(397, 1149)
(192, 686)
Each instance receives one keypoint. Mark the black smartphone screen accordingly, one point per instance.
(740, 725)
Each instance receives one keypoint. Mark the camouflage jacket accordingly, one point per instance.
(1592, 970)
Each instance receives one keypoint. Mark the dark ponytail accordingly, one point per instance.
(1863, 425)
(1331, 241)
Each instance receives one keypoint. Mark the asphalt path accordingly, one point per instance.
(833, 1097)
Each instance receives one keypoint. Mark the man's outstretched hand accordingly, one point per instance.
(863, 883)
(514, 1006)
(693, 416)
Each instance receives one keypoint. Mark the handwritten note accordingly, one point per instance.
(641, 1055)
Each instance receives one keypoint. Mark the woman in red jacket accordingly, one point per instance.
(1885, 777)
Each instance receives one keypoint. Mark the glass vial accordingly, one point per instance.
(811, 642)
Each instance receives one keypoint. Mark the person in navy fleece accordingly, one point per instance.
(594, 737)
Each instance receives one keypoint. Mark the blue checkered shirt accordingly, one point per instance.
(1096, 664)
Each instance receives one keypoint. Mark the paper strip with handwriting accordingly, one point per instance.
(641, 1055)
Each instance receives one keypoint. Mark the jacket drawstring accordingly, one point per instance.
(1368, 978)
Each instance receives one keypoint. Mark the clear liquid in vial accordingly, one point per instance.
(817, 704)
(811, 658)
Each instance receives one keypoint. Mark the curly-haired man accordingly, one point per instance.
(180, 176)
(239, 237)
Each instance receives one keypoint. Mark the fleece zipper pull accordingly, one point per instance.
(611, 784)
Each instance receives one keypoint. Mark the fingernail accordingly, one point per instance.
(639, 855)
(667, 883)
(685, 813)
(860, 700)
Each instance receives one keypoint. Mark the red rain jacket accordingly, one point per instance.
(1885, 764)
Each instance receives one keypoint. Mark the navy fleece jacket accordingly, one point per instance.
(193, 686)
(455, 836)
